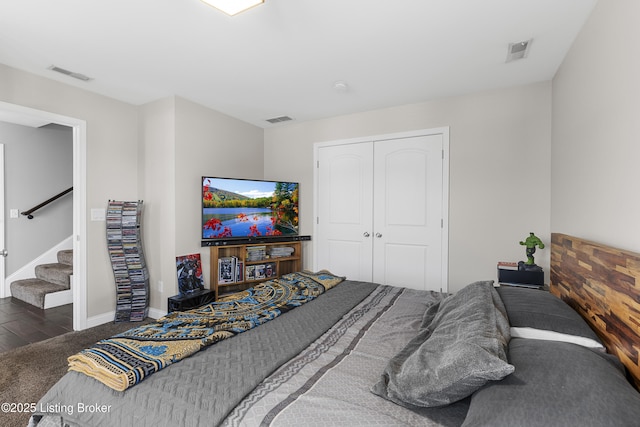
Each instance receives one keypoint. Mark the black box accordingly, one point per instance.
(525, 277)
(189, 301)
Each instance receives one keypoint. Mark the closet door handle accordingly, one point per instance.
(366, 234)
(378, 235)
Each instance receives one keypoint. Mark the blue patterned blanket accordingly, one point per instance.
(126, 359)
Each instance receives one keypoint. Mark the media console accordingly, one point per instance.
(237, 266)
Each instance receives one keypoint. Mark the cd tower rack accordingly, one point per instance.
(124, 241)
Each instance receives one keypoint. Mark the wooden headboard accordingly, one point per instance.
(603, 285)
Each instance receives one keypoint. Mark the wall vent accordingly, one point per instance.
(70, 73)
(518, 50)
(279, 119)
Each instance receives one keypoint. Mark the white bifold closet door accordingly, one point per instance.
(380, 211)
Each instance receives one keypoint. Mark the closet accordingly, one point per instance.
(381, 206)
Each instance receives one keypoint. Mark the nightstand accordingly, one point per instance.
(191, 300)
(529, 278)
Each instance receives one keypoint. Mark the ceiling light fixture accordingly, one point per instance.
(233, 7)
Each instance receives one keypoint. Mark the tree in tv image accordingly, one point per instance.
(248, 208)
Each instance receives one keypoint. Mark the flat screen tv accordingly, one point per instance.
(244, 209)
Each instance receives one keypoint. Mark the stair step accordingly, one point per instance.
(66, 257)
(50, 278)
(55, 273)
(32, 291)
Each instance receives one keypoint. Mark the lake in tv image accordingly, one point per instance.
(248, 208)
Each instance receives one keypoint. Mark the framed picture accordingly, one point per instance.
(189, 273)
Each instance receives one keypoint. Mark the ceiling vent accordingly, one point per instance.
(70, 73)
(279, 119)
(518, 50)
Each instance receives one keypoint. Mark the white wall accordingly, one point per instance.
(156, 171)
(208, 143)
(499, 169)
(112, 160)
(181, 141)
(38, 165)
(596, 130)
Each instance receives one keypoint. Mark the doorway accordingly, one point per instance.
(13, 113)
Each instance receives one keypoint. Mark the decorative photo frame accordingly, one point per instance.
(189, 270)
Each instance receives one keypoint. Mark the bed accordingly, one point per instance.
(366, 354)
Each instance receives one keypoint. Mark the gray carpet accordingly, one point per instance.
(26, 373)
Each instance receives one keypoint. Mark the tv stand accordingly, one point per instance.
(236, 266)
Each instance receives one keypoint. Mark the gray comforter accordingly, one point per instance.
(330, 352)
(329, 383)
(202, 389)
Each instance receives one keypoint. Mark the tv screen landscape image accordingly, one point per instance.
(247, 209)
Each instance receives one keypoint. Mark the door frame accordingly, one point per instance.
(444, 131)
(79, 130)
(2, 224)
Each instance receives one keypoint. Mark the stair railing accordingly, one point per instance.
(29, 213)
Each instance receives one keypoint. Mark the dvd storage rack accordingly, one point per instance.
(124, 241)
(234, 268)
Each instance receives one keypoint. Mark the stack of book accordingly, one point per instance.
(256, 253)
(507, 265)
(280, 251)
(515, 274)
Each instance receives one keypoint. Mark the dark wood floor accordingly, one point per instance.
(22, 323)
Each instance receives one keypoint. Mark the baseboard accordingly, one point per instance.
(155, 313)
(100, 319)
(108, 317)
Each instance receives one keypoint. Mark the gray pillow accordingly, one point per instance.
(462, 347)
(532, 308)
(556, 384)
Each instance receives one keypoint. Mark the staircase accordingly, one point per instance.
(51, 286)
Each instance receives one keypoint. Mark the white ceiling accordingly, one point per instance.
(283, 57)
